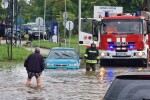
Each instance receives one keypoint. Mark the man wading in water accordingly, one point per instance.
(34, 65)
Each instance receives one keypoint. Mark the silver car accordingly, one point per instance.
(37, 32)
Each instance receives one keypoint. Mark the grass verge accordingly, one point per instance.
(18, 53)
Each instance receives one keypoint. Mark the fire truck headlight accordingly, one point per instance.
(140, 54)
(103, 54)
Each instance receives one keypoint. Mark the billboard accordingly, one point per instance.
(99, 11)
(53, 31)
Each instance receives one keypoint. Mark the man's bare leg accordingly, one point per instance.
(38, 80)
(28, 82)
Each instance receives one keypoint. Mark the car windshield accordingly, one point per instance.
(122, 26)
(62, 54)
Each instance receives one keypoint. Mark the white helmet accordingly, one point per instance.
(93, 42)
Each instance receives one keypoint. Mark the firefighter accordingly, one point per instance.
(111, 29)
(92, 57)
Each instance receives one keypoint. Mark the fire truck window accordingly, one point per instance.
(111, 28)
(95, 34)
(136, 28)
(104, 25)
(123, 27)
(86, 26)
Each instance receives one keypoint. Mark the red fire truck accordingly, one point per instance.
(129, 41)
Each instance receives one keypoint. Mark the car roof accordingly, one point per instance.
(139, 72)
(60, 48)
(130, 86)
(145, 74)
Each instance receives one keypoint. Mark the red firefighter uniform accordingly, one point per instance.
(92, 57)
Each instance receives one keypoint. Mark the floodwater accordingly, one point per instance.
(58, 84)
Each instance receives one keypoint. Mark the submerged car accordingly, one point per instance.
(62, 57)
(130, 86)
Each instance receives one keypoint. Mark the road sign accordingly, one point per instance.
(65, 15)
(69, 25)
(4, 4)
(39, 21)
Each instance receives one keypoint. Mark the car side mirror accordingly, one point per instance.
(148, 26)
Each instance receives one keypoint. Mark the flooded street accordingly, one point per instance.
(58, 84)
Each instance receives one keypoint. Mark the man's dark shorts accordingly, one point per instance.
(31, 74)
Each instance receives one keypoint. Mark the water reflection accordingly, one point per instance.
(107, 74)
(58, 84)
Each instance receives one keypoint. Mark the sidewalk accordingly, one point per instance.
(42, 50)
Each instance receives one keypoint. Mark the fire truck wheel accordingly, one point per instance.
(145, 63)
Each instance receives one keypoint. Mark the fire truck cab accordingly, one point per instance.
(124, 37)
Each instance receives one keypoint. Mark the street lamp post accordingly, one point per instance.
(79, 24)
(44, 18)
(65, 22)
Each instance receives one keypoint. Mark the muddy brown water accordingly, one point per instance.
(58, 84)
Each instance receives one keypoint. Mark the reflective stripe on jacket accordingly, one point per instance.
(85, 55)
(91, 61)
(91, 55)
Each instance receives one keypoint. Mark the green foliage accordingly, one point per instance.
(131, 5)
(55, 8)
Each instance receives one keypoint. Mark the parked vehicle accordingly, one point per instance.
(37, 32)
(25, 28)
(130, 42)
(62, 57)
(130, 86)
